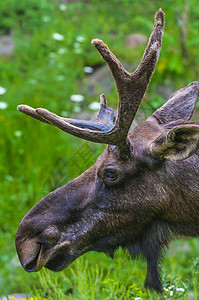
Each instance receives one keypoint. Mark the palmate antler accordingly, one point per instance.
(131, 88)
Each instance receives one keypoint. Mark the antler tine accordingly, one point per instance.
(29, 111)
(95, 130)
(131, 88)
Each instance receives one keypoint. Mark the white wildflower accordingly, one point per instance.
(76, 45)
(171, 293)
(33, 81)
(80, 38)
(78, 51)
(62, 50)
(46, 19)
(9, 178)
(2, 90)
(63, 7)
(94, 105)
(180, 290)
(170, 287)
(60, 77)
(57, 36)
(88, 70)
(17, 133)
(3, 105)
(138, 298)
(77, 98)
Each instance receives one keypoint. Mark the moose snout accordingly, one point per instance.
(28, 252)
(33, 252)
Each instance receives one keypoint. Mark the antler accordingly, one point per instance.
(131, 88)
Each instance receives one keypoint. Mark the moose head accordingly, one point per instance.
(142, 190)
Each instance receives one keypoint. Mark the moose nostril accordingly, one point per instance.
(32, 264)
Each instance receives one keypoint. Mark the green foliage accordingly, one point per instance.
(96, 277)
(36, 158)
(24, 14)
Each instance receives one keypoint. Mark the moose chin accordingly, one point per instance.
(142, 191)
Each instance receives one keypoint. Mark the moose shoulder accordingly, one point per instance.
(141, 192)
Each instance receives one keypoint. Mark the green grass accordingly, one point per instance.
(95, 276)
(36, 158)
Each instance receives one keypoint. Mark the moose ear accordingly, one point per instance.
(179, 143)
(180, 105)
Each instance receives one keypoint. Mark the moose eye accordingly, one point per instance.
(110, 175)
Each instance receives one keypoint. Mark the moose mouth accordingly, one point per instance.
(59, 261)
(55, 262)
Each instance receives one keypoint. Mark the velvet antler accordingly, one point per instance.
(131, 88)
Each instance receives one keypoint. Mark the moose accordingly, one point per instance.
(141, 192)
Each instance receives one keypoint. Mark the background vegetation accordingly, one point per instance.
(45, 70)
